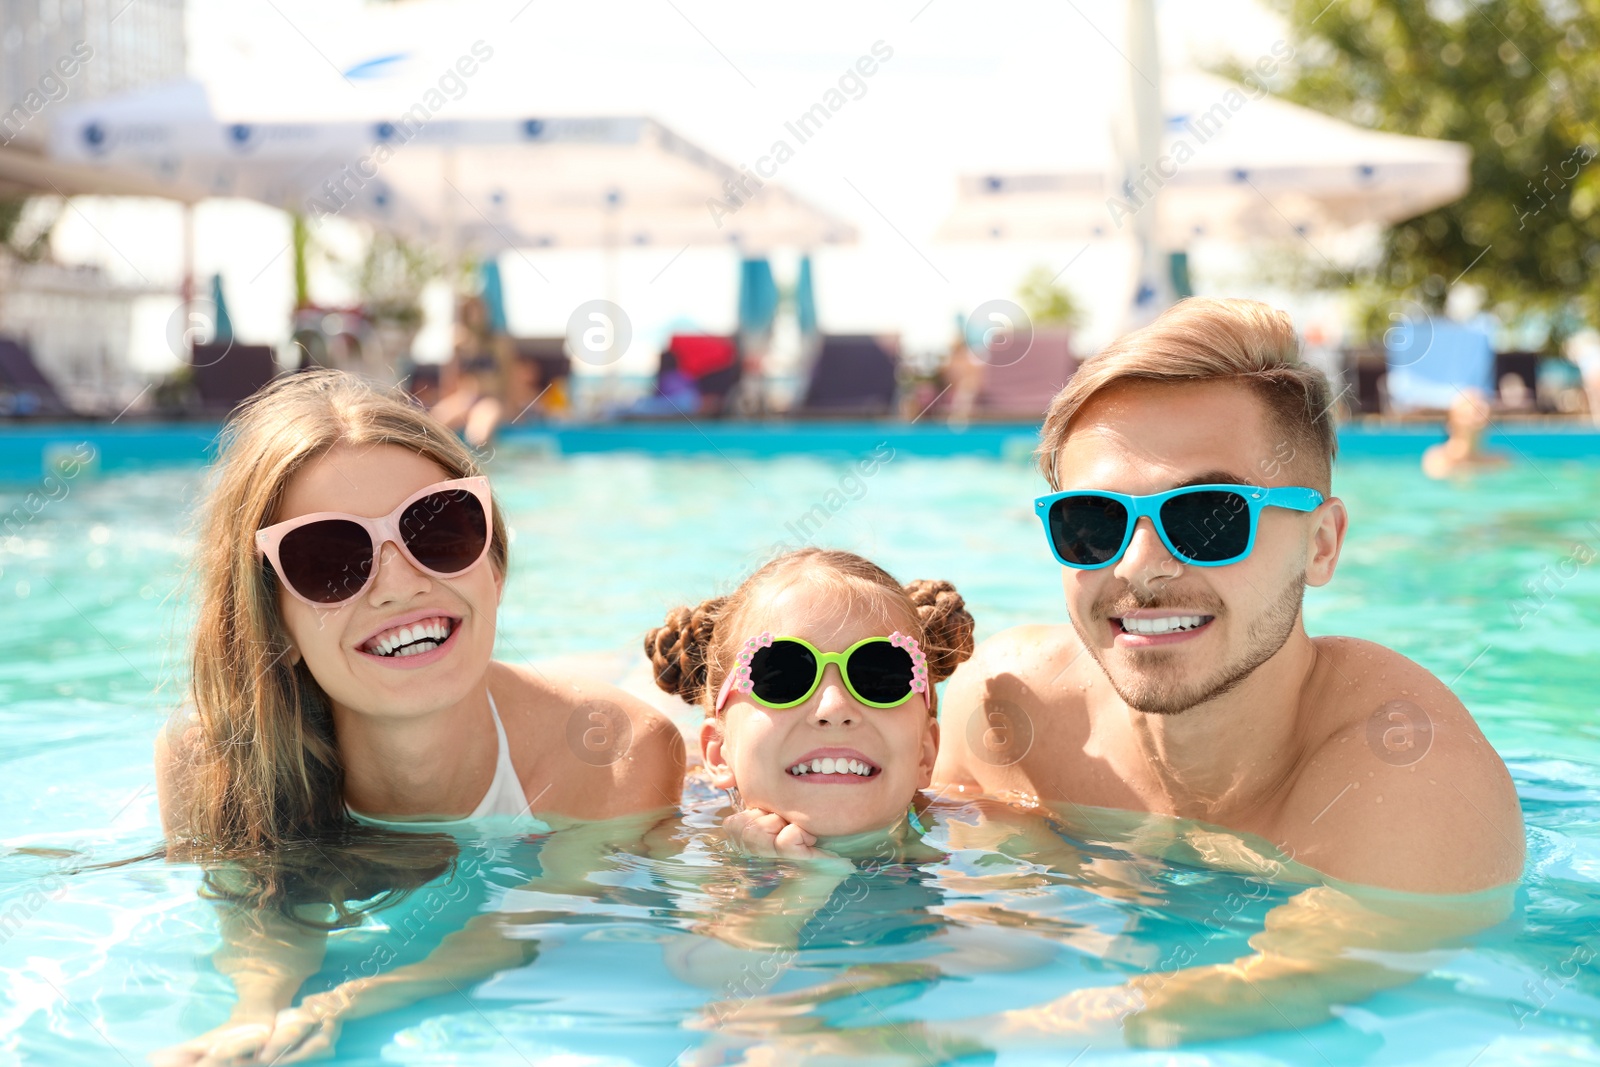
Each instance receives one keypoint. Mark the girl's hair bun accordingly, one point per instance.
(677, 649)
(946, 625)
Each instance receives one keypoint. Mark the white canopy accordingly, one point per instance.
(432, 172)
(1231, 167)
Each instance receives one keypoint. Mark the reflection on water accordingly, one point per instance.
(1008, 929)
(1002, 930)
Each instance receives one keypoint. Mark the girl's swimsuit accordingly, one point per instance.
(503, 809)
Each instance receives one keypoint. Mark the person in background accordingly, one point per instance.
(1515, 394)
(476, 381)
(963, 371)
(1583, 349)
(1462, 451)
(422, 382)
(675, 392)
(530, 395)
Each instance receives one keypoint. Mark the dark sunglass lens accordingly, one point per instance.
(881, 672)
(782, 672)
(326, 562)
(1088, 530)
(1208, 526)
(446, 531)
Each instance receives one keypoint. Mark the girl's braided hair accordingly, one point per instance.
(694, 649)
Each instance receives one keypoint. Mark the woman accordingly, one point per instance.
(351, 562)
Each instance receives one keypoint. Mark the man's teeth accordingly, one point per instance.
(830, 765)
(412, 640)
(1169, 624)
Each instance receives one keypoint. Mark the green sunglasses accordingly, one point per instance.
(784, 672)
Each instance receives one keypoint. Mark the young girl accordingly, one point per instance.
(351, 563)
(817, 679)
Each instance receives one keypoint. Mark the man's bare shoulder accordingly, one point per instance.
(1031, 652)
(996, 707)
(1399, 787)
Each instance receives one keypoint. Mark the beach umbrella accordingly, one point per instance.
(758, 299)
(223, 331)
(1234, 164)
(494, 295)
(1136, 146)
(805, 299)
(470, 182)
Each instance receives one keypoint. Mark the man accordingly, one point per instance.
(1181, 687)
(1466, 424)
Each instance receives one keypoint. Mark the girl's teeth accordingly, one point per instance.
(832, 765)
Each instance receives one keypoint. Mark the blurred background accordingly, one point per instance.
(528, 212)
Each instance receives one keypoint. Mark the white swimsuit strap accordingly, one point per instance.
(499, 731)
(505, 795)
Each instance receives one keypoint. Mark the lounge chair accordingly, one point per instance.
(711, 362)
(225, 374)
(853, 375)
(1023, 388)
(1365, 369)
(24, 389)
(1430, 362)
(1524, 365)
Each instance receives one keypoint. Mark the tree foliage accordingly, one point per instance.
(1047, 303)
(1518, 81)
(391, 278)
(25, 228)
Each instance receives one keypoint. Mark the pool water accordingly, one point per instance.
(1493, 585)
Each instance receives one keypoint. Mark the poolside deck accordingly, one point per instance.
(29, 449)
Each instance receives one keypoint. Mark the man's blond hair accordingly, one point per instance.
(1202, 339)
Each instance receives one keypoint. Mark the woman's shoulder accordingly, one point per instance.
(547, 691)
(610, 738)
(179, 736)
(177, 743)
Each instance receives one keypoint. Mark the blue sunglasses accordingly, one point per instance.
(1202, 525)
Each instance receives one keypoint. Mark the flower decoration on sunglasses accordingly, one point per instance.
(919, 662)
(741, 679)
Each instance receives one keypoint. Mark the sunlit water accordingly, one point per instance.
(1479, 583)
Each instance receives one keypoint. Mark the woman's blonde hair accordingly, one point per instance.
(1201, 339)
(265, 768)
(695, 648)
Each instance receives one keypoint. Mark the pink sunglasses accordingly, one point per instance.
(327, 557)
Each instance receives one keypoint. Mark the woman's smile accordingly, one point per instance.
(419, 639)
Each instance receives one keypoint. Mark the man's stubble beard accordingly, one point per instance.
(1157, 688)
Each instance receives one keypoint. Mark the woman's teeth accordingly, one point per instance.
(830, 765)
(1170, 624)
(412, 640)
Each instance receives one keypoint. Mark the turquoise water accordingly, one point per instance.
(1480, 583)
